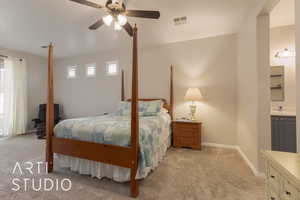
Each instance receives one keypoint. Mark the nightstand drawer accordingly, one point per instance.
(185, 141)
(185, 126)
(186, 132)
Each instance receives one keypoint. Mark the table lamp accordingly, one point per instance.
(192, 95)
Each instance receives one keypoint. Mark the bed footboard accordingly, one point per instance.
(110, 154)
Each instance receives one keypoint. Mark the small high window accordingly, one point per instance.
(72, 72)
(112, 68)
(91, 70)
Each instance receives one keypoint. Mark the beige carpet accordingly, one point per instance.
(213, 173)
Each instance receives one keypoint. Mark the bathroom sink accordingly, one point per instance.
(283, 113)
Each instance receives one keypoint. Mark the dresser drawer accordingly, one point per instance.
(274, 178)
(289, 191)
(272, 195)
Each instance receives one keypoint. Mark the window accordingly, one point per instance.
(1, 88)
(72, 72)
(91, 70)
(112, 68)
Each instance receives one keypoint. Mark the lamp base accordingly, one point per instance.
(193, 108)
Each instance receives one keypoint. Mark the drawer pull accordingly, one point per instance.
(287, 193)
(272, 176)
(273, 198)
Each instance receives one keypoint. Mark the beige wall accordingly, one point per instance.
(247, 122)
(88, 96)
(36, 80)
(264, 94)
(253, 119)
(281, 38)
(209, 64)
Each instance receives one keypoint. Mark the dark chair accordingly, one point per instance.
(40, 122)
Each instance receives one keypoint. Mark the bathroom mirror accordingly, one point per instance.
(277, 83)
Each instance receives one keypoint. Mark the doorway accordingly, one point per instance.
(283, 77)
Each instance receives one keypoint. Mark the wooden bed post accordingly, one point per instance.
(134, 118)
(171, 93)
(50, 111)
(122, 87)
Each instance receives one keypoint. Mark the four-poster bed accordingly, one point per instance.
(123, 156)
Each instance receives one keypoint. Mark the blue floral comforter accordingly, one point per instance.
(115, 130)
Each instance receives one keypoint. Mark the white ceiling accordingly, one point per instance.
(283, 14)
(27, 24)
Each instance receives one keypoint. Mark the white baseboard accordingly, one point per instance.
(248, 162)
(31, 131)
(227, 146)
(28, 132)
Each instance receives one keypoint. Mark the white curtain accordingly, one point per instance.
(15, 97)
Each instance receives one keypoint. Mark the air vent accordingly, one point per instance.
(180, 21)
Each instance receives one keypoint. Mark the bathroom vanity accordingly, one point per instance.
(283, 131)
(283, 114)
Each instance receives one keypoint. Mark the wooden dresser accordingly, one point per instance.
(282, 175)
(187, 134)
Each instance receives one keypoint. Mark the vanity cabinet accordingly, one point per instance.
(283, 133)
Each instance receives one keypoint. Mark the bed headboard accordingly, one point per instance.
(165, 104)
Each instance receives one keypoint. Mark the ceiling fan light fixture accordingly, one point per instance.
(122, 20)
(117, 14)
(118, 27)
(108, 20)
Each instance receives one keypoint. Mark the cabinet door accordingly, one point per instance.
(288, 134)
(275, 133)
(283, 134)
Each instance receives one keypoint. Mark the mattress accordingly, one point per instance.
(154, 132)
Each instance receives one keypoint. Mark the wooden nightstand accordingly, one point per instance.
(187, 134)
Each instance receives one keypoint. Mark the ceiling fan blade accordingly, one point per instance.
(128, 29)
(143, 14)
(88, 3)
(96, 25)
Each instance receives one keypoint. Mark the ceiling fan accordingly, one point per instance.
(118, 14)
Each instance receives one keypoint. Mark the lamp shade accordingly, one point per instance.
(193, 94)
